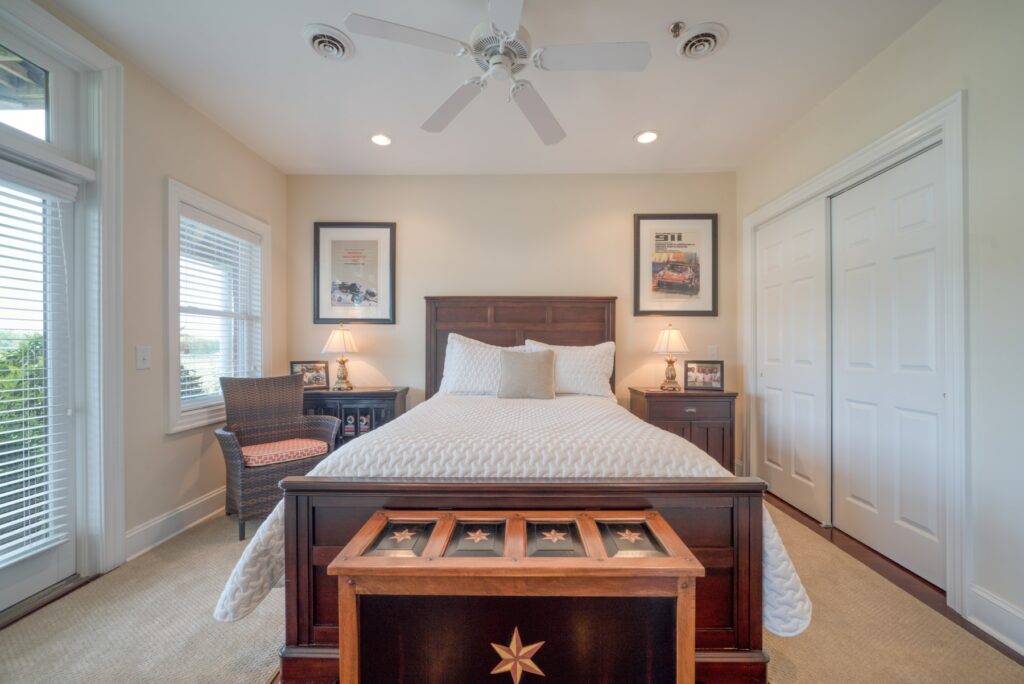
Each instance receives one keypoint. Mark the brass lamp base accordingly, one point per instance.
(670, 384)
(341, 382)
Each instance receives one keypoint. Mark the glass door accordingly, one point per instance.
(37, 429)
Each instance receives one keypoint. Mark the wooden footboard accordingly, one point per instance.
(718, 518)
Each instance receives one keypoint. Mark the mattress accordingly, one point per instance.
(454, 436)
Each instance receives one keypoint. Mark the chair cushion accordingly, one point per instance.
(270, 453)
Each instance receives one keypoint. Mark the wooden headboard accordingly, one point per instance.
(508, 321)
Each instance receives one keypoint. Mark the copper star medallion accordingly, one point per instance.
(478, 536)
(403, 535)
(516, 658)
(630, 536)
(553, 536)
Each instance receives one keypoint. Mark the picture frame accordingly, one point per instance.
(704, 375)
(315, 374)
(353, 272)
(675, 264)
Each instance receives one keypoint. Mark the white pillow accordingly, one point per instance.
(581, 370)
(472, 366)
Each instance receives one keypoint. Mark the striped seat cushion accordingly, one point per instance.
(270, 453)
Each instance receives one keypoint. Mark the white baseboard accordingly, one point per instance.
(148, 535)
(997, 616)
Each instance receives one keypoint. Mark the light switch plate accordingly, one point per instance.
(142, 357)
(712, 351)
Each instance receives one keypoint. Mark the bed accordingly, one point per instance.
(456, 452)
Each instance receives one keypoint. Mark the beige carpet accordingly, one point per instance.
(865, 629)
(149, 621)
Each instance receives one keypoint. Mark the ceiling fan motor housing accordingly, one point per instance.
(486, 45)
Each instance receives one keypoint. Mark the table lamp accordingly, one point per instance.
(341, 342)
(670, 341)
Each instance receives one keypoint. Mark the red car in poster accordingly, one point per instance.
(677, 277)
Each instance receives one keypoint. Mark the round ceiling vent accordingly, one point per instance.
(701, 40)
(328, 42)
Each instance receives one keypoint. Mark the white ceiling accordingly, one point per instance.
(244, 64)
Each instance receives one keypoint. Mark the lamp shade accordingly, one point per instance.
(670, 341)
(340, 342)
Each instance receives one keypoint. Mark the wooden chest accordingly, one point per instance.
(469, 596)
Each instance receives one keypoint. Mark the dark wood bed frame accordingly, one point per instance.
(718, 518)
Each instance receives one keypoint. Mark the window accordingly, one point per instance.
(24, 94)
(36, 431)
(218, 268)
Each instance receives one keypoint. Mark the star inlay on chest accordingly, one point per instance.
(403, 535)
(517, 659)
(630, 536)
(478, 536)
(553, 536)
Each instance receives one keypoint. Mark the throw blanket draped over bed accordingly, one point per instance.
(453, 436)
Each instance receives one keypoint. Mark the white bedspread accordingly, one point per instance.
(453, 436)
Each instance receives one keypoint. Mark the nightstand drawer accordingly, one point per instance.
(682, 409)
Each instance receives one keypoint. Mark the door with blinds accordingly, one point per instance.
(37, 428)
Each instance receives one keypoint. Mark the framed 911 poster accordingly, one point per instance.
(675, 262)
(353, 272)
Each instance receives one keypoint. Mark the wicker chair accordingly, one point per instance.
(261, 414)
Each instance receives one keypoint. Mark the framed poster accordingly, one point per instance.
(354, 273)
(675, 264)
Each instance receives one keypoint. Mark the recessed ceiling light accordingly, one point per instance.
(380, 139)
(646, 137)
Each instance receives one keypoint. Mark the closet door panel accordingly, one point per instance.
(790, 440)
(888, 354)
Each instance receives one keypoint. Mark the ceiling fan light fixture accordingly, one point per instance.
(646, 137)
(380, 139)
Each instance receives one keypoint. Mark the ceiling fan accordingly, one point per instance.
(501, 48)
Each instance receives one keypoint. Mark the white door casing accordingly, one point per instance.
(889, 363)
(791, 407)
(943, 124)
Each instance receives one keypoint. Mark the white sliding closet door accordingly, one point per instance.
(888, 363)
(791, 440)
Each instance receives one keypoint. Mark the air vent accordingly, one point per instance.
(701, 40)
(328, 42)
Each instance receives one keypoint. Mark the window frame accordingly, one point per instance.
(179, 195)
(93, 161)
(63, 151)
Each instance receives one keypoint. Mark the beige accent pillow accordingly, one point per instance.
(527, 375)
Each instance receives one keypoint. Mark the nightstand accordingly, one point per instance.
(360, 410)
(708, 419)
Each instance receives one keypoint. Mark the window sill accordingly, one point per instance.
(196, 418)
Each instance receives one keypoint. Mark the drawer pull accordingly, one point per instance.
(689, 410)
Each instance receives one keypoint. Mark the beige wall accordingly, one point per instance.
(971, 45)
(164, 136)
(507, 235)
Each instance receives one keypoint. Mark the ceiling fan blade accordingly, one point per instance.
(455, 103)
(378, 28)
(506, 15)
(537, 113)
(593, 57)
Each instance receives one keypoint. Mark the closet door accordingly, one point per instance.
(888, 357)
(790, 442)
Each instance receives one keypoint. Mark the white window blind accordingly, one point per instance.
(220, 294)
(36, 428)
